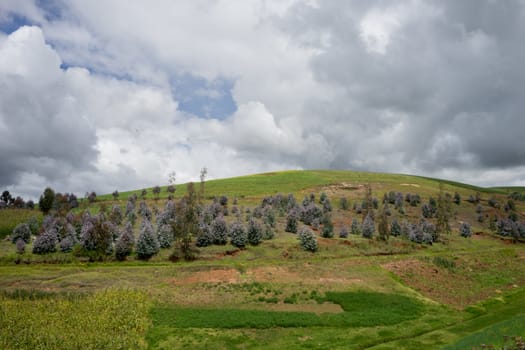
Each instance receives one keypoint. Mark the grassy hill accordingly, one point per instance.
(353, 293)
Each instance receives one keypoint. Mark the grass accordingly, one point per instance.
(498, 334)
(104, 320)
(362, 309)
(348, 295)
(9, 218)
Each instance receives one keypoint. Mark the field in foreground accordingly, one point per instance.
(353, 293)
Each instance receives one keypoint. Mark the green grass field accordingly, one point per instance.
(353, 293)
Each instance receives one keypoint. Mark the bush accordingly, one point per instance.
(66, 244)
(368, 229)
(33, 224)
(125, 242)
(21, 231)
(427, 211)
(20, 246)
(464, 230)
(165, 236)
(255, 233)
(46, 242)
(343, 203)
(238, 235)
(147, 243)
(343, 233)
(310, 212)
(219, 231)
(457, 198)
(328, 227)
(205, 238)
(395, 228)
(307, 239)
(291, 221)
(116, 216)
(356, 227)
(268, 232)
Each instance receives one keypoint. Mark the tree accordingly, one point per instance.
(254, 232)
(219, 231)
(395, 228)
(457, 198)
(165, 235)
(382, 225)
(46, 200)
(115, 195)
(368, 227)
(6, 197)
(367, 205)
(125, 242)
(328, 227)
(187, 226)
(464, 230)
(21, 231)
(92, 197)
(147, 243)
(343, 203)
(443, 212)
(307, 239)
(203, 174)
(45, 242)
(238, 234)
(355, 228)
(156, 192)
(291, 221)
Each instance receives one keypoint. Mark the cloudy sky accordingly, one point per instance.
(104, 95)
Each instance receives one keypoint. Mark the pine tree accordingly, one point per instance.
(147, 243)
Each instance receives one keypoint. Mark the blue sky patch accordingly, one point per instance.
(203, 98)
(12, 22)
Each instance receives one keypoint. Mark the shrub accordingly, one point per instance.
(310, 212)
(33, 224)
(156, 191)
(268, 232)
(130, 207)
(20, 246)
(205, 238)
(45, 242)
(368, 229)
(269, 216)
(343, 203)
(307, 239)
(21, 231)
(147, 243)
(316, 223)
(223, 200)
(457, 198)
(343, 233)
(96, 237)
(165, 236)
(255, 233)
(464, 230)
(116, 216)
(291, 221)
(427, 211)
(219, 231)
(327, 206)
(395, 228)
(328, 227)
(145, 211)
(66, 244)
(238, 235)
(124, 243)
(356, 227)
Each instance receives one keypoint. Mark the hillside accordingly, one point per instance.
(416, 288)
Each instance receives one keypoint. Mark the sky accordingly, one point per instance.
(103, 95)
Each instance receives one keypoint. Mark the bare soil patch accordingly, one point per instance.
(438, 284)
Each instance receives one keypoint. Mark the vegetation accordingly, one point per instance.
(421, 288)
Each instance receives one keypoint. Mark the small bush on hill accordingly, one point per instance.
(307, 239)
